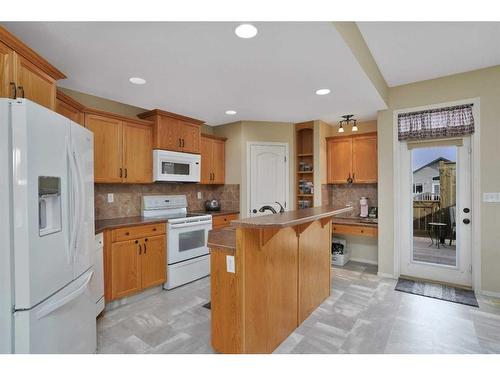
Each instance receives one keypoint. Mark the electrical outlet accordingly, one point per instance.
(111, 197)
(230, 263)
(198, 195)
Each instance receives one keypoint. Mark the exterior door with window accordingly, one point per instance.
(436, 228)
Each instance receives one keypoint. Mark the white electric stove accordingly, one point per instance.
(188, 257)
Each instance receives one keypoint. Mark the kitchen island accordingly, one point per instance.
(268, 274)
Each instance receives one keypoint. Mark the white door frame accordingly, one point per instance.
(476, 188)
(287, 170)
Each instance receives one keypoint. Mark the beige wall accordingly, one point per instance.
(238, 135)
(485, 84)
(103, 104)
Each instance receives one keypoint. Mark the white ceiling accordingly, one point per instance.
(414, 51)
(202, 69)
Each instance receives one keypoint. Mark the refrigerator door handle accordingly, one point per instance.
(76, 196)
(81, 193)
(65, 300)
(72, 196)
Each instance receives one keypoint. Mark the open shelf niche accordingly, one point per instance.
(304, 168)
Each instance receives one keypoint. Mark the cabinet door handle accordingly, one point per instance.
(13, 86)
(21, 88)
(125, 172)
(140, 249)
(180, 142)
(145, 248)
(353, 178)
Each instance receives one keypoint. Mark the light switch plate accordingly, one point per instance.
(111, 197)
(230, 264)
(491, 197)
(198, 195)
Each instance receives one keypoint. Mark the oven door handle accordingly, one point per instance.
(193, 224)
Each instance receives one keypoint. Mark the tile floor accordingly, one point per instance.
(364, 314)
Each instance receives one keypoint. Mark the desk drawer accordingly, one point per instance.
(221, 221)
(355, 230)
(139, 231)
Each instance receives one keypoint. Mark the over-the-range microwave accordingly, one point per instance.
(176, 166)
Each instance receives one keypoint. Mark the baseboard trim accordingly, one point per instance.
(362, 260)
(386, 275)
(487, 293)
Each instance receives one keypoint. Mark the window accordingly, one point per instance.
(435, 188)
(418, 188)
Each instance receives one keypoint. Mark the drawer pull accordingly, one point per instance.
(127, 233)
(154, 229)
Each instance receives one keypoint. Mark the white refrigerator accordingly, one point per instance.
(47, 222)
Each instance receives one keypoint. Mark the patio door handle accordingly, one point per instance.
(466, 221)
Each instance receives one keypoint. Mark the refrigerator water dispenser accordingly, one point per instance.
(49, 205)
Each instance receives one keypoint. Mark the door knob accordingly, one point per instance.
(466, 221)
(466, 210)
(254, 211)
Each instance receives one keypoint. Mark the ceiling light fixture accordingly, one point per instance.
(137, 80)
(322, 91)
(246, 31)
(348, 119)
(230, 112)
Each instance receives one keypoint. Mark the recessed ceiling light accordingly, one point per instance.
(322, 92)
(137, 80)
(230, 112)
(246, 31)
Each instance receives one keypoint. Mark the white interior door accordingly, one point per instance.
(436, 227)
(268, 180)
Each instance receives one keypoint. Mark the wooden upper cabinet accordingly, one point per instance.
(70, 108)
(174, 132)
(352, 157)
(7, 84)
(218, 161)
(190, 135)
(364, 159)
(125, 268)
(34, 84)
(206, 160)
(339, 151)
(153, 261)
(31, 75)
(122, 148)
(107, 147)
(137, 153)
(212, 159)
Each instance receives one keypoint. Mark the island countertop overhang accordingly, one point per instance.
(290, 218)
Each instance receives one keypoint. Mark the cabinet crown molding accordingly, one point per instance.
(22, 49)
(216, 137)
(160, 112)
(115, 116)
(334, 137)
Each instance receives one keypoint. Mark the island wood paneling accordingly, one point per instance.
(314, 268)
(270, 288)
(226, 303)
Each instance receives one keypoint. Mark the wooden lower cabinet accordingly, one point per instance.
(221, 221)
(133, 265)
(153, 261)
(125, 268)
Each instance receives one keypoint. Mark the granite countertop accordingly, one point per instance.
(290, 218)
(101, 225)
(216, 213)
(222, 238)
(356, 220)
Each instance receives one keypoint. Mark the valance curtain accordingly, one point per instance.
(454, 121)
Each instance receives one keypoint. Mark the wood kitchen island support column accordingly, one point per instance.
(282, 274)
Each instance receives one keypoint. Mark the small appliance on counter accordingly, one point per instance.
(373, 213)
(212, 205)
(363, 203)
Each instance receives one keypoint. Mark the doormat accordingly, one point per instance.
(208, 305)
(437, 291)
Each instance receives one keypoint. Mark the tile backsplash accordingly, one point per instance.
(127, 198)
(343, 194)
